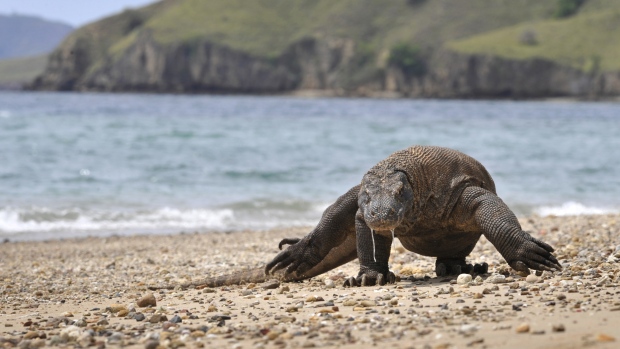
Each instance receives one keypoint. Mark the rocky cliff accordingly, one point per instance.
(338, 53)
(458, 75)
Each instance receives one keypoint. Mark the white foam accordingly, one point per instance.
(572, 208)
(45, 220)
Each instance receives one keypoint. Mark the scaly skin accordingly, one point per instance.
(436, 201)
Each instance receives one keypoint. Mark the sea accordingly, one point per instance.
(80, 164)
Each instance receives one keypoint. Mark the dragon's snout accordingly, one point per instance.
(382, 215)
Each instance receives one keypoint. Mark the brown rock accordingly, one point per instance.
(558, 328)
(601, 337)
(271, 284)
(523, 328)
(31, 335)
(147, 301)
(115, 308)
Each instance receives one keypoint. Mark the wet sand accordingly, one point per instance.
(85, 292)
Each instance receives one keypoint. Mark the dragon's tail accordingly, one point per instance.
(241, 277)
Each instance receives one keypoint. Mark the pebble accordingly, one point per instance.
(349, 303)
(368, 303)
(523, 328)
(147, 301)
(176, 319)
(156, 318)
(31, 335)
(115, 308)
(496, 279)
(602, 337)
(151, 344)
(558, 328)
(271, 285)
(532, 279)
(139, 317)
(463, 279)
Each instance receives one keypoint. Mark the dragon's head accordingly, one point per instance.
(384, 198)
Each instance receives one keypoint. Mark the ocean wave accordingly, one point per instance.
(13, 221)
(573, 208)
(44, 222)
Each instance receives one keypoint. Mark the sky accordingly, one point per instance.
(73, 12)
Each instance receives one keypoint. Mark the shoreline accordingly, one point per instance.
(81, 291)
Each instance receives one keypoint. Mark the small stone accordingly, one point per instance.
(31, 335)
(115, 308)
(532, 279)
(349, 303)
(151, 344)
(103, 322)
(602, 337)
(176, 319)
(271, 285)
(157, 318)
(463, 279)
(122, 313)
(147, 301)
(291, 310)
(212, 308)
(139, 317)
(329, 283)
(478, 295)
(197, 334)
(285, 319)
(603, 281)
(368, 303)
(285, 336)
(558, 328)
(523, 328)
(496, 279)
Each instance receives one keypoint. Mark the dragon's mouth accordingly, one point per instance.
(390, 222)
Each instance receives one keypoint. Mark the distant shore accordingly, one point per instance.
(85, 291)
(310, 94)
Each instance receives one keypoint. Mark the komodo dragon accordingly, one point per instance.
(436, 201)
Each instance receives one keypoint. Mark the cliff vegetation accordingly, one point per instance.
(413, 48)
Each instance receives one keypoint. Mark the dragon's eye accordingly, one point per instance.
(397, 188)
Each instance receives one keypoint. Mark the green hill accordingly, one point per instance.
(339, 45)
(16, 72)
(589, 41)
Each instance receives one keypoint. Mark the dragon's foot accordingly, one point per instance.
(445, 266)
(371, 279)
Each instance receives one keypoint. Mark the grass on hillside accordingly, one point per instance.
(589, 41)
(267, 27)
(21, 70)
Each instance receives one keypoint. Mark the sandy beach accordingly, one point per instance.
(91, 292)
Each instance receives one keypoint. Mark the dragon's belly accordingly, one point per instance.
(440, 243)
